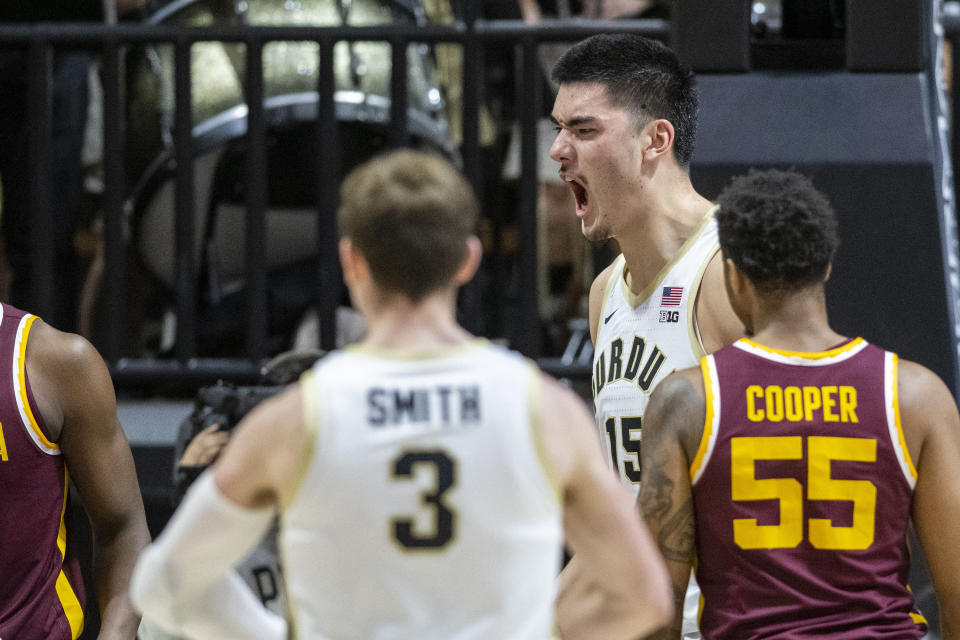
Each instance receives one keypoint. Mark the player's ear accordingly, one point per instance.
(351, 260)
(826, 277)
(733, 277)
(658, 138)
(471, 261)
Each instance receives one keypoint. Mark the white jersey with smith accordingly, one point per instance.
(643, 337)
(425, 509)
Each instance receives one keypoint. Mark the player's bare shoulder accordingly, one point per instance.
(926, 405)
(66, 373)
(716, 320)
(597, 290)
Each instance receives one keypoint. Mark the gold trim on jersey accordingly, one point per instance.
(636, 299)
(65, 593)
(20, 388)
(534, 405)
(416, 354)
(711, 419)
(809, 358)
(891, 373)
(311, 424)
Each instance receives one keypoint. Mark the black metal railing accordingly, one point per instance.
(475, 36)
(129, 370)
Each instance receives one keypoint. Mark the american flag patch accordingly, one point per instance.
(671, 296)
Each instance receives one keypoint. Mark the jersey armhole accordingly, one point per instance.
(711, 420)
(26, 405)
(891, 369)
(616, 274)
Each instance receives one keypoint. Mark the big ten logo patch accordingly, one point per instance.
(669, 316)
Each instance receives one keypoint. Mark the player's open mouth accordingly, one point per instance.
(580, 193)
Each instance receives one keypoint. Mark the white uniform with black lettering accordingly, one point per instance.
(642, 338)
(425, 509)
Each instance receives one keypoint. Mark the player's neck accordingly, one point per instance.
(659, 231)
(427, 325)
(796, 323)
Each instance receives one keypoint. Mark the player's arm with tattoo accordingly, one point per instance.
(671, 431)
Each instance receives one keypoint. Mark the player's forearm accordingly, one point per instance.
(184, 579)
(598, 615)
(114, 559)
(223, 608)
(625, 594)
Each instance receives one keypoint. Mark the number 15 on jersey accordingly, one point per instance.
(623, 435)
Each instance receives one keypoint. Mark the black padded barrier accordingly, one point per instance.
(712, 36)
(885, 35)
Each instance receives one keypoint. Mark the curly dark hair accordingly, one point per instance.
(642, 76)
(778, 229)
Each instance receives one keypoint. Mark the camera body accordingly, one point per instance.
(221, 404)
(226, 404)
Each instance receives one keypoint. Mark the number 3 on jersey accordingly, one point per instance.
(442, 531)
(625, 438)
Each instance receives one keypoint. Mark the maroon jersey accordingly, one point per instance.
(41, 594)
(802, 488)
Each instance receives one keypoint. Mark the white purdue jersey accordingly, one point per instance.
(641, 339)
(425, 509)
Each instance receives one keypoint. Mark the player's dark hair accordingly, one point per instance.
(778, 229)
(640, 75)
(409, 213)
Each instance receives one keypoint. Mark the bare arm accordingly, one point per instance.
(76, 397)
(718, 324)
(596, 300)
(184, 582)
(625, 591)
(259, 466)
(673, 419)
(932, 429)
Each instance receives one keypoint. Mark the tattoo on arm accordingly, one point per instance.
(676, 538)
(655, 494)
(675, 531)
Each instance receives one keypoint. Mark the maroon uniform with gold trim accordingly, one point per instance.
(802, 488)
(41, 594)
